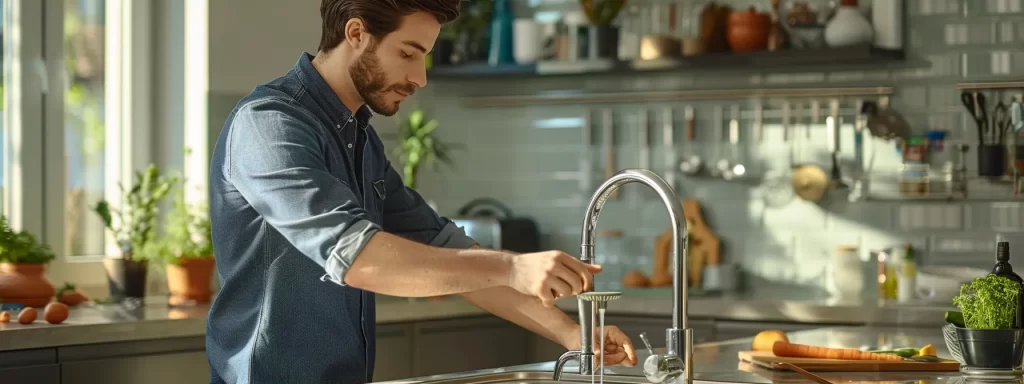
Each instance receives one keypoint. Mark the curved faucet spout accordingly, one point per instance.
(674, 336)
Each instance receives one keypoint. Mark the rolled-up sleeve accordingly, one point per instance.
(406, 214)
(275, 160)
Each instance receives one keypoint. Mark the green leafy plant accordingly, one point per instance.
(20, 247)
(188, 233)
(988, 302)
(602, 12)
(418, 146)
(134, 224)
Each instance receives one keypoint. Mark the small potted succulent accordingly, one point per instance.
(23, 261)
(133, 226)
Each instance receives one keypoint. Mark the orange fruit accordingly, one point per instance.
(764, 340)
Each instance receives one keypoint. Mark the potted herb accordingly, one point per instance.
(982, 335)
(133, 227)
(601, 14)
(23, 261)
(187, 251)
(417, 146)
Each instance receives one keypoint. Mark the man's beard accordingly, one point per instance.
(372, 84)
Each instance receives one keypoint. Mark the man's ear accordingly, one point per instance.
(355, 34)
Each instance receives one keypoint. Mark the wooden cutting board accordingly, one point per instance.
(766, 359)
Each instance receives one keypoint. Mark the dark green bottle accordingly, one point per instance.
(1003, 268)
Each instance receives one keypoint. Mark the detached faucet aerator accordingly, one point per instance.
(679, 339)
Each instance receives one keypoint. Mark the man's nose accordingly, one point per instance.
(419, 76)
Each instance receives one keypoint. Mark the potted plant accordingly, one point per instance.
(417, 144)
(187, 252)
(133, 227)
(23, 261)
(601, 13)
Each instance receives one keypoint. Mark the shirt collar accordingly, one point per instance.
(317, 86)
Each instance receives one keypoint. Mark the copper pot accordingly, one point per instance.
(749, 30)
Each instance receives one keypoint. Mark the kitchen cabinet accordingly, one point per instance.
(459, 345)
(33, 366)
(174, 360)
(394, 352)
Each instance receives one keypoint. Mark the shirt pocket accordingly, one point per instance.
(376, 197)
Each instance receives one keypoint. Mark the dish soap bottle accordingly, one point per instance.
(1003, 268)
(907, 285)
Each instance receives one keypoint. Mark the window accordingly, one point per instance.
(76, 105)
(84, 128)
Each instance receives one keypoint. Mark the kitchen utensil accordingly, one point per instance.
(975, 104)
(1017, 114)
(692, 163)
(767, 359)
(733, 169)
(777, 190)
(832, 122)
(808, 180)
(668, 137)
(587, 158)
(715, 168)
(487, 218)
(1000, 123)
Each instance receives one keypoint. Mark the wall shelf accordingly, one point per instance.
(816, 59)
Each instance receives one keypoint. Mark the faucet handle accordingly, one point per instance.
(647, 343)
(661, 368)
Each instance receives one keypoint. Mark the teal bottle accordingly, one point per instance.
(500, 52)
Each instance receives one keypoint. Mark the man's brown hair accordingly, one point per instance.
(380, 17)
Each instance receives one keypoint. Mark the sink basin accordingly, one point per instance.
(518, 377)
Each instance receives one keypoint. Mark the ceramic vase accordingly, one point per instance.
(848, 26)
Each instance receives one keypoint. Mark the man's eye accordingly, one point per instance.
(406, 55)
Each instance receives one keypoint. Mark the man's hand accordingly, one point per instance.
(550, 275)
(618, 348)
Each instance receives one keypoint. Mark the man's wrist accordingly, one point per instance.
(569, 336)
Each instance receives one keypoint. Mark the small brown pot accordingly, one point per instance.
(25, 284)
(749, 30)
(190, 281)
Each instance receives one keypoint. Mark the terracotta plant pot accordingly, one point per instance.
(749, 30)
(190, 281)
(25, 284)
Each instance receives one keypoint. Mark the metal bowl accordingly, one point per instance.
(1001, 349)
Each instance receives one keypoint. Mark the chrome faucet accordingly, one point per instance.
(679, 339)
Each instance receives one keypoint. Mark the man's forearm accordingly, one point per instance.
(527, 312)
(392, 265)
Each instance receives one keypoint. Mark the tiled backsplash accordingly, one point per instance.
(530, 156)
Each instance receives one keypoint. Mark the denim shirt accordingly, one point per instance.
(288, 220)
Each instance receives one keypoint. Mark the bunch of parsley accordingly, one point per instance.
(989, 302)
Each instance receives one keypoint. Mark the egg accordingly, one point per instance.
(55, 313)
(27, 315)
(5, 317)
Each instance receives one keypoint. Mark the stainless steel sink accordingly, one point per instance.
(532, 377)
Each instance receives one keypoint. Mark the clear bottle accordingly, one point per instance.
(1003, 268)
(907, 285)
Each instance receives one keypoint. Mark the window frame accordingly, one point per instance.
(35, 88)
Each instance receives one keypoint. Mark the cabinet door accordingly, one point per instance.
(36, 374)
(172, 368)
(467, 344)
(394, 352)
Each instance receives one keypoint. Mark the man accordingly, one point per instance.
(310, 219)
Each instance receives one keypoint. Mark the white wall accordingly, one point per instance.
(254, 41)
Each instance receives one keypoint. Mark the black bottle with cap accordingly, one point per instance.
(1003, 268)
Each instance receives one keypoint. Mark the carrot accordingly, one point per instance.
(785, 349)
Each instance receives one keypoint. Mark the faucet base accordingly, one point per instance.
(679, 342)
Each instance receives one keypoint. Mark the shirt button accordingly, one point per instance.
(350, 119)
(338, 125)
(350, 145)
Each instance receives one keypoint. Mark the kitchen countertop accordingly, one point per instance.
(718, 362)
(89, 324)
